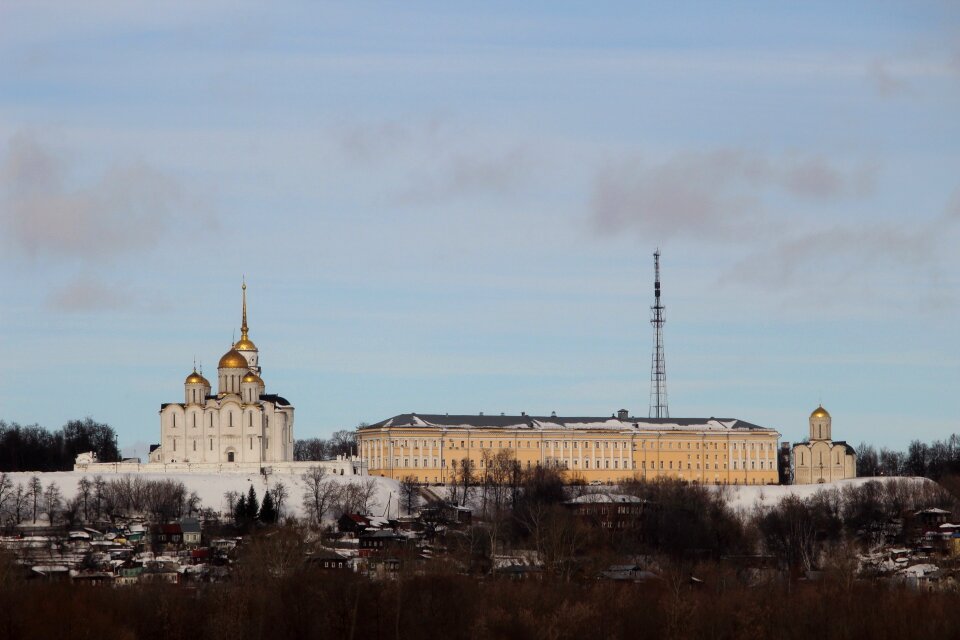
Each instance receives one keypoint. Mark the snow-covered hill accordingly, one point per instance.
(211, 487)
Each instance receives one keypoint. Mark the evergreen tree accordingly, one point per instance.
(253, 505)
(240, 511)
(268, 513)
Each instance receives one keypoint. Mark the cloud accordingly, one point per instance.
(47, 216)
(87, 293)
(437, 160)
(839, 252)
(885, 81)
(712, 194)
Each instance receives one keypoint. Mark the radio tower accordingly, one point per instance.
(658, 365)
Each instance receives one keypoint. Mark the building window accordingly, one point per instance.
(211, 444)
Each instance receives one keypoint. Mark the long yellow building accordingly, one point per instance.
(430, 448)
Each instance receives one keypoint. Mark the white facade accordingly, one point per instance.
(820, 459)
(241, 423)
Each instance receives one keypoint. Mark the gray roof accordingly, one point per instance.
(556, 422)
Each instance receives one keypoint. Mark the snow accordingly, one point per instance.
(211, 487)
(747, 497)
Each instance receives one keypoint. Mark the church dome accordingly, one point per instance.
(252, 377)
(245, 344)
(820, 412)
(196, 378)
(233, 360)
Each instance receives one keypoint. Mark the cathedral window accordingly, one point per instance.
(194, 445)
(211, 444)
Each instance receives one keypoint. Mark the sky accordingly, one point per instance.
(452, 208)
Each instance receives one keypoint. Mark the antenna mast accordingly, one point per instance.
(658, 365)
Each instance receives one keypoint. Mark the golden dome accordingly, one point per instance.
(245, 344)
(196, 378)
(252, 377)
(233, 360)
(820, 412)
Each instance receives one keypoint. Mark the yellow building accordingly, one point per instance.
(432, 448)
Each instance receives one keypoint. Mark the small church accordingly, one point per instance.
(820, 458)
(241, 422)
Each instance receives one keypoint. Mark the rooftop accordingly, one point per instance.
(542, 423)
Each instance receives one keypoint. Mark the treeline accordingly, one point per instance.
(341, 443)
(34, 448)
(96, 500)
(274, 594)
(934, 461)
(525, 509)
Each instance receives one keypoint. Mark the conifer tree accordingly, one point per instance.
(268, 512)
(240, 511)
(253, 505)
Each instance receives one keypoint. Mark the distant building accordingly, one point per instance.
(239, 423)
(821, 459)
(434, 448)
(608, 510)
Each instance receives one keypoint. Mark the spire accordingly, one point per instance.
(243, 326)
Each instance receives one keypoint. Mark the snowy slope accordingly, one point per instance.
(746, 497)
(211, 487)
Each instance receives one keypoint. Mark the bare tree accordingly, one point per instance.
(357, 497)
(99, 486)
(52, 501)
(35, 487)
(319, 493)
(193, 504)
(410, 492)
(21, 498)
(6, 489)
(231, 497)
(84, 488)
(280, 495)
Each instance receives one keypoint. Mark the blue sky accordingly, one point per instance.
(451, 207)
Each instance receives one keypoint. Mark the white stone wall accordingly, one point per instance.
(346, 466)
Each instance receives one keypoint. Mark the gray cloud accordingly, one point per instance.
(884, 80)
(840, 252)
(46, 216)
(706, 195)
(88, 293)
(436, 159)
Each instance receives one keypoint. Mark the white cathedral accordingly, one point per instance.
(240, 423)
(821, 458)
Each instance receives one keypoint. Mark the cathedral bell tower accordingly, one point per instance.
(820, 424)
(245, 345)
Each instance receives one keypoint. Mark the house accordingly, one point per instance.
(446, 513)
(377, 542)
(931, 519)
(328, 560)
(921, 577)
(608, 510)
(167, 534)
(190, 529)
(353, 523)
